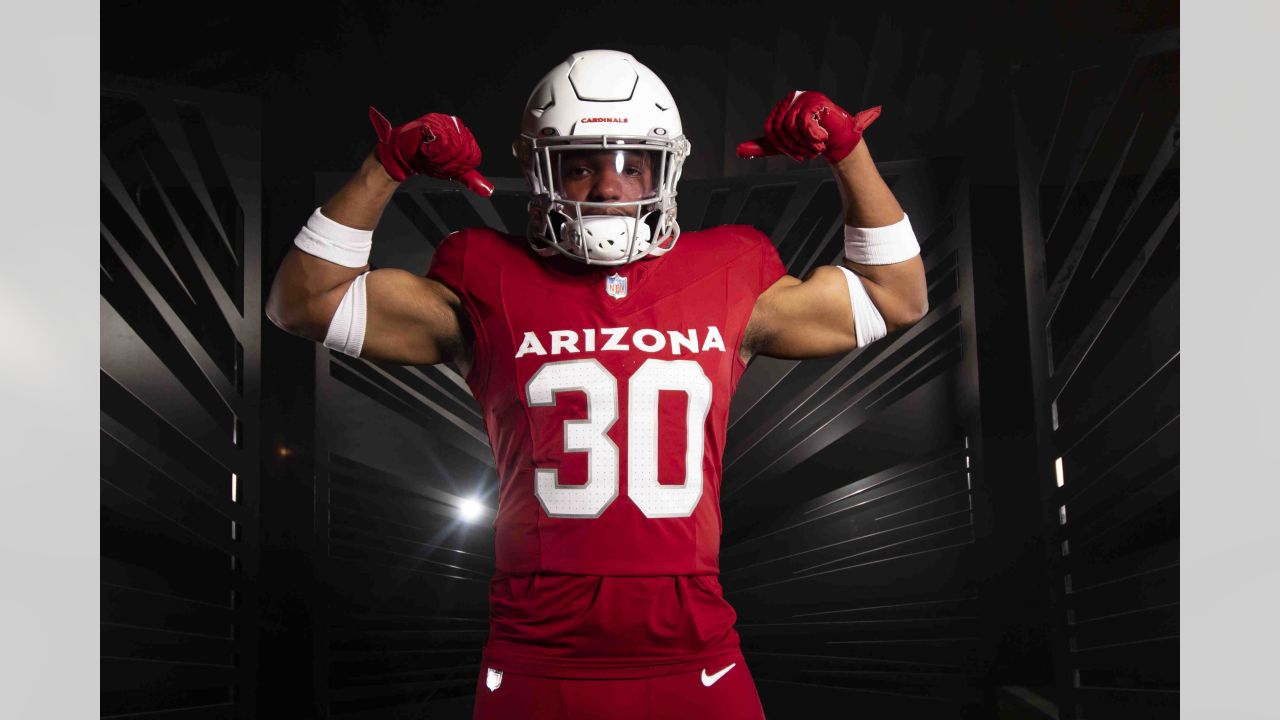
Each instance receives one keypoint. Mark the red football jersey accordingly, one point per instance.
(605, 392)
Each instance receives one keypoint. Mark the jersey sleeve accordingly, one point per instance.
(448, 267)
(771, 267)
(448, 264)
(760, 266)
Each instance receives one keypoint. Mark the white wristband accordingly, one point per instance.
(346, 329)
(881, 246)
(868, 323)
(335, 242)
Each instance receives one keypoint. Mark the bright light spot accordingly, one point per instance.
(235, 487)
(470, 510)
(1057, 469)
(617, 162)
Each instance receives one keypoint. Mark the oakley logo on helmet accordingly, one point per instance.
(604, 119)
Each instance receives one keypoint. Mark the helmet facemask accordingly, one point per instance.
(617, 219)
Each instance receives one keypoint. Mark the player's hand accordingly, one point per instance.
(436, 145)
(806, 124)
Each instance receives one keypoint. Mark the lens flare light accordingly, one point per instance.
(470, 510)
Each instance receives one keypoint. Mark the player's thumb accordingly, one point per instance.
(476, 183)
(863, 120)
(381, 125)
(760, 147)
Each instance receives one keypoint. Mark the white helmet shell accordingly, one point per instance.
(601, 92)
(602, 100)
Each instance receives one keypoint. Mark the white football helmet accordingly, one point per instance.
(602, 110)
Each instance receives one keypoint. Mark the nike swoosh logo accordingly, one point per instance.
(709, 680)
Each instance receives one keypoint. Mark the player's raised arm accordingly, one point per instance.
(880, 286)
(324, 290)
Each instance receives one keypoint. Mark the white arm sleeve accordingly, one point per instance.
(346, 330)
(868, 323)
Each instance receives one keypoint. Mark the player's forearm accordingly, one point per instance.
(898, 290)
(868, 201)
(360, 202)
(303, 278)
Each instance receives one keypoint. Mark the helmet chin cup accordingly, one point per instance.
(607, 239)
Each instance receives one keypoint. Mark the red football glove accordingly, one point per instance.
(806, 124)
(436, 145)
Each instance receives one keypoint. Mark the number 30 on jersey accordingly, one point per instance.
(591, 436)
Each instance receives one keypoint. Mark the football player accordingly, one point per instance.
(603, 346)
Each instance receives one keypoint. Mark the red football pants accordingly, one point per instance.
(730, 695)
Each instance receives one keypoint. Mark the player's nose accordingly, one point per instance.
(607, 187)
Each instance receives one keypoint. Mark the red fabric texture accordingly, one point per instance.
(621, 594)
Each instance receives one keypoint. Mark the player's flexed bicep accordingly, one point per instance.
(797, 319)
(409, 320)
(834, 310)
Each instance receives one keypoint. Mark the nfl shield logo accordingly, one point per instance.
(494, 680)
(616, 286)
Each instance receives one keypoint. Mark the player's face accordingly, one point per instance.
(607, 176)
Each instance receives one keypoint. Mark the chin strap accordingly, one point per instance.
(673, 237)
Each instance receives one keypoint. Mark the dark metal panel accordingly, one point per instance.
(180, 288)
(1100, 207)
(138, 685)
